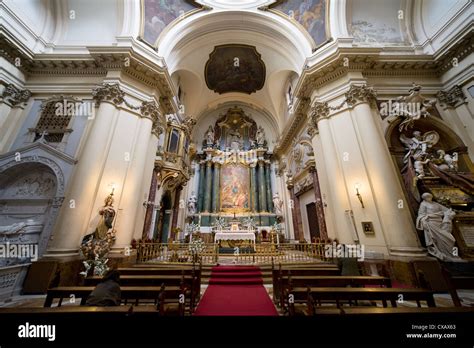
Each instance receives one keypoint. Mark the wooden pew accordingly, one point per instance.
(392, 295)
(281, 272)
(188, 282)
(290, 282)
(160, 295)
(456, 283)
(187, 271)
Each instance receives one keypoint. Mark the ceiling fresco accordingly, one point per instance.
(235, 68)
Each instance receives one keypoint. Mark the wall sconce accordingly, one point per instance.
(359, 196)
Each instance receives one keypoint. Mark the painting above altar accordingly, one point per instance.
(235, 188)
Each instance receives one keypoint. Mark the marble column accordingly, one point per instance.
(73, 221)
(254, 188)
(323, 233)
(216, 188)
(150, 204)
(208, 187)
(385, 190)
(268, 183)
(202, 182)
(261, 185)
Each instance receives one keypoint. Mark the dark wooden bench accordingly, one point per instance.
(158, 295)
(186, 271)
(314, 295)
(282, 272)
(456, 283)
(290, 282)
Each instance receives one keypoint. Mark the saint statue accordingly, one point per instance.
(278, 204)
(260, 137)
(107, 216)
(192, 204)
(436, 221)
(209, 137)
(235, 140)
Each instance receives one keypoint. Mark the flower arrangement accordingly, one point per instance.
(98, 264)
(192, 227)
(277, 227)
(220, 224)
(197, 246)
(249, 223)
(94, 251)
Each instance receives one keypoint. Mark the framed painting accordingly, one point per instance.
(235, 188)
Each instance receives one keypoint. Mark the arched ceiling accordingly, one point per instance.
(187, 46)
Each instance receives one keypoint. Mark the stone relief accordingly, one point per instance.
(32, 185)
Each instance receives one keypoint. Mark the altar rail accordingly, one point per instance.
(176, 253)
(282, 253)
(262, 254)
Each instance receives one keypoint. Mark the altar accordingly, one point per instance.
(235, 236)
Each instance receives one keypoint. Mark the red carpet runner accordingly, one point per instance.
(236, 291)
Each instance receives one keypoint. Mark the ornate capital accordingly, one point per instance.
(452, 98)
(319, 111)
(189, 124)
(15, 96)
(362, 94)
(151, 110)
(108, 92)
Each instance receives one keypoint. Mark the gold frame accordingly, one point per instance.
(234, 210)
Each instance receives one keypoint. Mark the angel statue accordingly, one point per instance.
(413, 107)
(446, 161)
(418, 145)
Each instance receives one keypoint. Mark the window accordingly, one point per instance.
(53, 124)
(174, 141)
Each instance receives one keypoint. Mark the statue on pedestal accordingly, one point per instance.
(277, 204)
(209, 137)
(192, 204)
(260, 137)
(436, 221)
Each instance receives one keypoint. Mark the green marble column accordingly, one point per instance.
(216, 188)
(268, 183)
(262, 196)
(253, 189)
(202, 182)
(208, 188)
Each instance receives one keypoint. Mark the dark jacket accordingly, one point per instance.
(105, 294)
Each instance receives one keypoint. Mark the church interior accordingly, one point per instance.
(237, 158)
